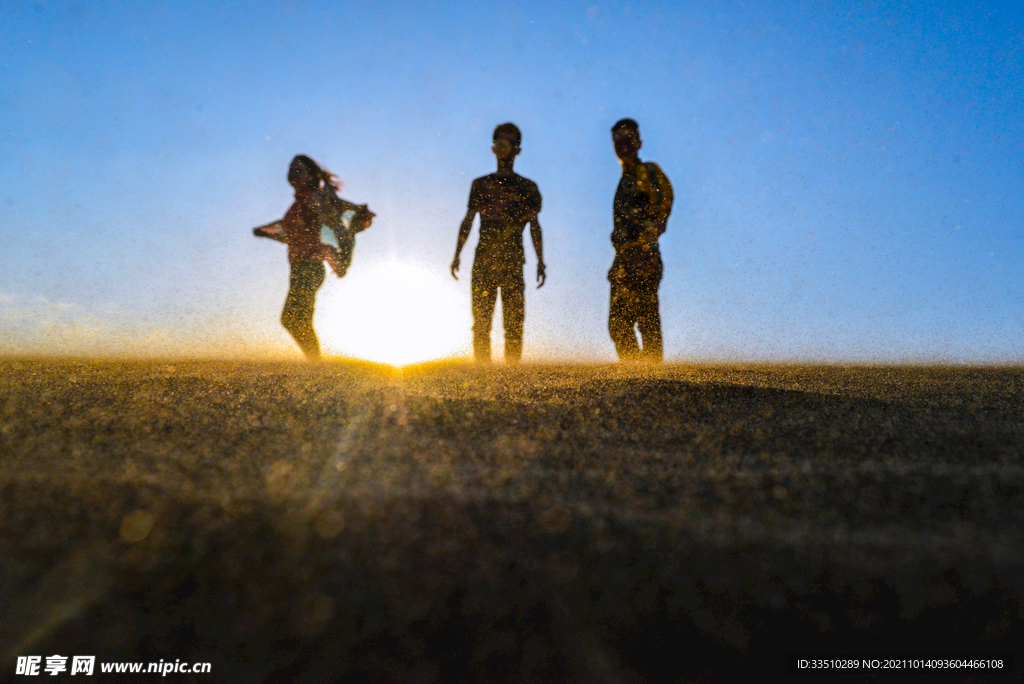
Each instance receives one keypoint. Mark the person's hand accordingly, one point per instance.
(541, 276)
(365, 216)
(455, 266)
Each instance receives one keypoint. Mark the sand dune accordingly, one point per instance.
(346, 522)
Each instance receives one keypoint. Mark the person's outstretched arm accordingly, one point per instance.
(274, 231)
(538, 247)
(467, 225)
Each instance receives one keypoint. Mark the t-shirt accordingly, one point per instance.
(505, 204)
(643, 198)
(302, 228)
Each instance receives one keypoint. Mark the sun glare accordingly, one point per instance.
(393, 313)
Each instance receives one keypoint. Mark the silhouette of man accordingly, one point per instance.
(643, 202)
(506, 202)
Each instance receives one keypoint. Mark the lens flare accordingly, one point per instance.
(394, 313)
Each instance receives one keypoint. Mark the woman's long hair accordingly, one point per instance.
(316, 174)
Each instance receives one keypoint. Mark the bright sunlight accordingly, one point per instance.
(393, 313)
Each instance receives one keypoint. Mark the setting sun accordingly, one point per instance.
(393, 313)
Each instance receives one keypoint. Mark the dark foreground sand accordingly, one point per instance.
(341, 522)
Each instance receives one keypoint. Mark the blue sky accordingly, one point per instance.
(848, 181)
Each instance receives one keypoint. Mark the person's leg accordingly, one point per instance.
(620, 321)
(299, 307)
(484, 293)
(513, 311)
(649, 324)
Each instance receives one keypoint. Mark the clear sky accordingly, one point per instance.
(849, 177)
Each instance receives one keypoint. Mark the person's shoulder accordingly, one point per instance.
(653, 166)
(528, 188)
(305, 200)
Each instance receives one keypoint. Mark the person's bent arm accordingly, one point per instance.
(361, 211)
(538, 247)
(363, 218)
(467, 225)
(344, 205)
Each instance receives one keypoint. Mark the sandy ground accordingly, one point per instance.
(451, 523)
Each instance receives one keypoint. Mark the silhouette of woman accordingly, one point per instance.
(306, 253)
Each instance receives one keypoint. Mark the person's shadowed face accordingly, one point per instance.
(627, 144)
(505, 147)
(301, 177)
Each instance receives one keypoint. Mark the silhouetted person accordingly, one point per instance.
(506, 202)
(643, 202)
(316, 205)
